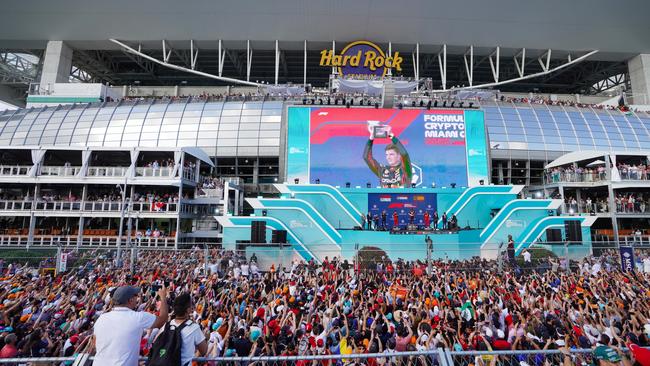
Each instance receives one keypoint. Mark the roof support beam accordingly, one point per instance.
(494, 65)
(442, 63)
(165, 53)
(469, 66)
(222, 55)
(545, 64)
(249, 59)
(304, 66)
(520, 66)
(416, 65)
(277, 61)
(180, 68)
(194, 56)
(236, 61)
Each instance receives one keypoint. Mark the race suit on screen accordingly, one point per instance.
(398, 176)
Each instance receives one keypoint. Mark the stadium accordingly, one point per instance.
(326, 182)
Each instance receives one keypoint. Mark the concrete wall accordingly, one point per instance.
(57, 64)
(639, 69)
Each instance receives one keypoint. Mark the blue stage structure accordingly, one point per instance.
(325, 221)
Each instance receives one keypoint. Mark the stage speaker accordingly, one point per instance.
(240, 245)
(573, 231)
(258, 232)
(279, 237)
(553, 235)
(254, 230)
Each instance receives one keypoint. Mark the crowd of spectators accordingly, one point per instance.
(211, 183)
(588, 204)
(631, 202)
(591, 204)
(556, 102)
(338, 98)
(15, 196)
(576, 174)
(322, 309)
(633, 171)
(151, 232)
(163, 163)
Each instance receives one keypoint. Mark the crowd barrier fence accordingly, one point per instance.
(438, 356)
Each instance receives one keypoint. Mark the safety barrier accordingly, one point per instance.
(15, 170)
(95, 206)
(438, 356)
(151, 172)
(107, 171)
(60, 171)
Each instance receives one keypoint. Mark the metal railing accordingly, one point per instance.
(107, 171)
(209, 192)
(634, 174)
(189, 173)
(635, 209)
(86, 241)
(59, 171)
(160, 172)
(94, 206)
(15, 170)
(438, 356)
(16, 205)
(583, 208)
(574, 177)
(635, 240)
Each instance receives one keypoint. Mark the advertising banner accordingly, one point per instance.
(627, 259)
(401, 204)
(63, 263)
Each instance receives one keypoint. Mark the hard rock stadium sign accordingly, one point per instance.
(361, 58)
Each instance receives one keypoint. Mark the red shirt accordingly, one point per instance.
(501, 344)
(8, 351)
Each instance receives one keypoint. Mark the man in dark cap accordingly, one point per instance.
(118, 332)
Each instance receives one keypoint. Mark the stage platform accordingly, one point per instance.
(323, 221)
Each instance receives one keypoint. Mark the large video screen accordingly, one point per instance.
(390, 148)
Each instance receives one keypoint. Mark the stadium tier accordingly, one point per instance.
(562, 159)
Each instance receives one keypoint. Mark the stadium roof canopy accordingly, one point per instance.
(617, 31)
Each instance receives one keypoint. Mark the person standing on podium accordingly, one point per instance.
(395, 220)
(435, 220)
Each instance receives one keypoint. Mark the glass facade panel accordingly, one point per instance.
(233, 128)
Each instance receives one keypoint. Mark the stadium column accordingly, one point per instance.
(611, 198)
(57, 64)
(639, 71)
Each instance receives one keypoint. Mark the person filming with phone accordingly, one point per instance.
(118, 332)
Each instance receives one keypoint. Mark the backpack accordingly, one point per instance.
(166, 349)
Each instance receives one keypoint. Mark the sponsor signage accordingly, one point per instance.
(627, 259)
(402, 205)
(361, 58)
(63, 263)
